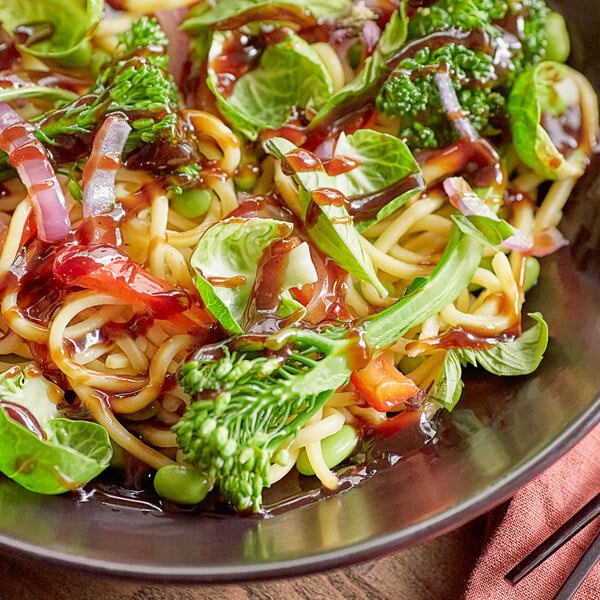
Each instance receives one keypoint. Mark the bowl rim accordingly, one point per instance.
(442, 522)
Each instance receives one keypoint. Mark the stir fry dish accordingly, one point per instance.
(240, 238)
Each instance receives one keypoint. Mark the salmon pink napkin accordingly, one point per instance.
(534, 512)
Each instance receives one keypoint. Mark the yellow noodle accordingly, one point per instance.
(317, 462)
(550, 212)
(104, 416)
(12, 241)
(406, 219)
(319, 430)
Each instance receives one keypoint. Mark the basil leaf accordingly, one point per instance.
(72, 21)
(230, 250)
(517, 357)
(520, 356)
(448, 385)
(290, 74)
(488, 231)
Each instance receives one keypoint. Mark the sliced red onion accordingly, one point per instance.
(29, 157)
(326, 149)
(370, 35)
(100, 171)
(452, 106)
(547, 241)
(463, 198)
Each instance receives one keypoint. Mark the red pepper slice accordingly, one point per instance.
(382, 385)
(105, 269)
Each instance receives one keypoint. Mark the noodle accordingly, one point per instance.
(115, 325)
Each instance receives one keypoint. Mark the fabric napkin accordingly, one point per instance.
(534, 512)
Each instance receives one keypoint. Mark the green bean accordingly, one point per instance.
(335, 448)
(559, 44)
(183, 484)
(192, 203)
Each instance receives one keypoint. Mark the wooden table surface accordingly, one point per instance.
(436, 570)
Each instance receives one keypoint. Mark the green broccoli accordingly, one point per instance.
(455, 14)
(135, 83)
(411, 92)
(251, 396)
(479, 52)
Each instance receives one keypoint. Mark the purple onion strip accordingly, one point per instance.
(30, 159)
(100, 171)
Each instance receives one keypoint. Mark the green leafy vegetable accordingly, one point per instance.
(520, 356)
(487, 230)
(72, 452)
(224, 10)
(448, 385)
(290, 75)
(263, 391)
(541, 96)
(229, 252)
(70, 20)
(381, 160)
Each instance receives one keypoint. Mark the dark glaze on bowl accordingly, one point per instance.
(503, 433)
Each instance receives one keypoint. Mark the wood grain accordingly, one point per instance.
(435, 570)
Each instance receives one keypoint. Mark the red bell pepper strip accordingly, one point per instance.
(105, 269)
(382, 385)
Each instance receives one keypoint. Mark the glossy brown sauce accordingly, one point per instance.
(565, 130)
(241, 54)
(22, 415)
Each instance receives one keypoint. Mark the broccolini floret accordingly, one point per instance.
(259, 403)
(482, 44)
(455, 14)
(135, 83)
(250, 396)
(412, 94)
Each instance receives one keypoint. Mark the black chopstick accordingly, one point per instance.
(579, 573)
(564, 533)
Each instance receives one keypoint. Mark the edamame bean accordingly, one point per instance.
(192, 203)
(335, 448)
(559, 44)
(182, 483)
(408, 364)
(532, 272)
(246, 177)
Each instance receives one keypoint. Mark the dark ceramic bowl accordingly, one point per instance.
(502, 434)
